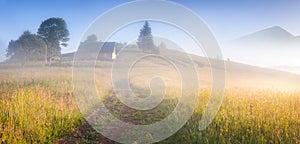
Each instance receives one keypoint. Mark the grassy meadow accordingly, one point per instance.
(37, 105)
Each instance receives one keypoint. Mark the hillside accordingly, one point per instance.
(238, 75)
(40, 100)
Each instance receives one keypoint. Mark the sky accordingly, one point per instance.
(227, 20)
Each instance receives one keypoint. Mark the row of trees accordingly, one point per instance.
(51, 36)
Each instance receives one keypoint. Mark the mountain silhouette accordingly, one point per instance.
(272, 35)
(269, 47)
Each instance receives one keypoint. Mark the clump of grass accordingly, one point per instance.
(31, 113)
(247, 116)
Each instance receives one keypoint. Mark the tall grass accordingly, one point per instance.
(39, 107)
(247, 116)
(36, 112)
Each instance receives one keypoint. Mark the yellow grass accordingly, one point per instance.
(37, 106)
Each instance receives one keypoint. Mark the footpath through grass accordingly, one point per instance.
(43, 110)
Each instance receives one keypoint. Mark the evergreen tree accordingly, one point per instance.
(145, 40)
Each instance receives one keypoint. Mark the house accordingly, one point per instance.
(108, 51)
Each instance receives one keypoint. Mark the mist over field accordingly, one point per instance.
(149, 71)
(2, 54)
(273, 47)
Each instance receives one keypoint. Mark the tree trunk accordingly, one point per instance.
(46, 55)
(50, 55)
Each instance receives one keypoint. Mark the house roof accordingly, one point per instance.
(108, 47)
(89, 49)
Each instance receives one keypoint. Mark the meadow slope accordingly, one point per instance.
(260, 105)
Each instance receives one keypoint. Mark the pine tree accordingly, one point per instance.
(145, 40)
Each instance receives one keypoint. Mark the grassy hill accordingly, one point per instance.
(238, 75)
(260, 105)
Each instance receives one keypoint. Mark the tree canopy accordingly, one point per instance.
(56, 35)
(51, 36)
(91, 38)
(27, 47)
(145, 39)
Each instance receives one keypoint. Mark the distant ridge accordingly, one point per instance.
(266, 48)
(268, 35)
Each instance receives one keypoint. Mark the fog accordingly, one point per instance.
(2, 50)
(272, 48)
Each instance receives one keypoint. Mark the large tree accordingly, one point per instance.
(145, 39)
(56, 35)
(27, 47)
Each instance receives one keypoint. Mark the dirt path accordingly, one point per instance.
(85, 134)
